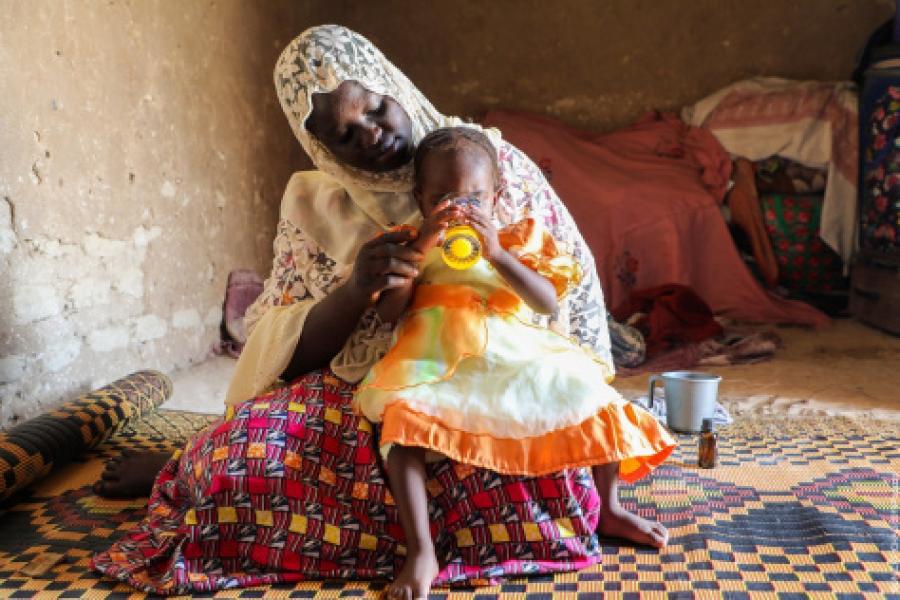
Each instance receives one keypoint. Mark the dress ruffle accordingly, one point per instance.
(619, 432)
(536, 249)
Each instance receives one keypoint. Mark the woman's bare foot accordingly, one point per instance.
(130, 475)
(414, 580)
(619, 523)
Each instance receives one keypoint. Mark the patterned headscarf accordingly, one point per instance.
(318, 61)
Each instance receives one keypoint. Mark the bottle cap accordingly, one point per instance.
(707, 425)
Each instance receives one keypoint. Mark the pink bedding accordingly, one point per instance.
(646, 198)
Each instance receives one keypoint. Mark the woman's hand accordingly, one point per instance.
(384, 263)
(491, 249)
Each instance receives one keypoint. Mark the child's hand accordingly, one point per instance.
(435, 224)
(491, 248)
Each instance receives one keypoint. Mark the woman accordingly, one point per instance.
(288, 486)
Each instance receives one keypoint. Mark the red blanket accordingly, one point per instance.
(646, 198)
(671, 315)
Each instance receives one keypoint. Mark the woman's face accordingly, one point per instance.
(361, 128)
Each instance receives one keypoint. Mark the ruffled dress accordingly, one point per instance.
(471, 376)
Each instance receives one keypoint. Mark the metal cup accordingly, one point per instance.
(690, 398)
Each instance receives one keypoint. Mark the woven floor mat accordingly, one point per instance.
(33, 449)
(796, 509)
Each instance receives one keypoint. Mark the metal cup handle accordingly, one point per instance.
(654, 379)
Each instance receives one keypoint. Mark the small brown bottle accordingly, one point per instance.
(707, 449)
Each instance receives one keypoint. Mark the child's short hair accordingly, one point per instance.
(447, 138)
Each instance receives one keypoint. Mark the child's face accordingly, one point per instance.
(455, 173)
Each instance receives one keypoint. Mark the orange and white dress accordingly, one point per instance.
(469, 376)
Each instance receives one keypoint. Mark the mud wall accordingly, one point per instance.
(142, 157)
(600, 64)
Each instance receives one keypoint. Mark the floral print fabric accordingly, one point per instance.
(880, 229)
(318, 61)
(805, 263)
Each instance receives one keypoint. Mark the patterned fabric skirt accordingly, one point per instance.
(289, 486)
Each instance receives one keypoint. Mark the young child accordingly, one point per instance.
(469, 375)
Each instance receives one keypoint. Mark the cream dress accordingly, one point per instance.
(470, 376)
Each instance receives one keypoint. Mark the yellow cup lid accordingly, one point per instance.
(461, 248)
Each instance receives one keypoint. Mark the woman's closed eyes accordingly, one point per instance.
(382, 108)
(379, 111)
(362, 128)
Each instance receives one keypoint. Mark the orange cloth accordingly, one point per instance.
(747, 214)
(619, 432)
(537, 250)
(647, 200)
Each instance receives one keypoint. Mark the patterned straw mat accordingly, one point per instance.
(796, 509)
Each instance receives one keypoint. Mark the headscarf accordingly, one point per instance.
(318, 61)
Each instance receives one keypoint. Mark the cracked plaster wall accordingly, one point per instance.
(142, 157)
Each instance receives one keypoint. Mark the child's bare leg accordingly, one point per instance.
(406, 470)
(615, 521)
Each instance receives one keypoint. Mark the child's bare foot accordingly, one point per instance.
(618, 522)
(414, 581)
(130, 475)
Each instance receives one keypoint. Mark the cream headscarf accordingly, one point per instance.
(318, 61)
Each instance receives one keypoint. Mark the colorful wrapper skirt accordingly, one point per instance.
(289, 487)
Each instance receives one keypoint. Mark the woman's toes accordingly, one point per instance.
(130, 475)
(622, 524)
(399, 592)
(661, 534)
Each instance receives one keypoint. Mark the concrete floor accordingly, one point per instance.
(201, 388)
(848, 369)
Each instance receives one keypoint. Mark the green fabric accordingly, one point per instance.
(805, 263)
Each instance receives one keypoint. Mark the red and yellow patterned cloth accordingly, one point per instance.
(287, 488)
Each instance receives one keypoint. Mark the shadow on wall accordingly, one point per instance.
(143, 157)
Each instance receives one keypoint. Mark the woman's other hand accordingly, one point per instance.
(384, 263)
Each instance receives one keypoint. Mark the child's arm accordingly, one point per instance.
(534, 289)
(393, 302)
